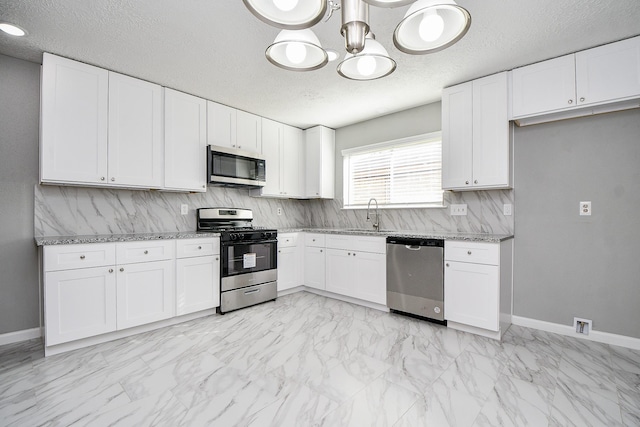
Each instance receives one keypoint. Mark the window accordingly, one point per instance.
(403, 173)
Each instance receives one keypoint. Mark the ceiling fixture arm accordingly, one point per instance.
(355, 24)
(332, 6)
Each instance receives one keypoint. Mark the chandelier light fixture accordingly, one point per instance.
(428, 26)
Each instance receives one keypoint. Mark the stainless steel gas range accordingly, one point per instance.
(248, 262)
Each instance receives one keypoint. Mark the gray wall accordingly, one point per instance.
(568, 265)
(19, 113)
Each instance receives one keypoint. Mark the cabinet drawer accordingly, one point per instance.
(67, 257)
(287, 240)
(186, 248)
(357, 243)
(316, 240)
(475, 252)
(154, 250)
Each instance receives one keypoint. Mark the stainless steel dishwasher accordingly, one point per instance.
(415, 277)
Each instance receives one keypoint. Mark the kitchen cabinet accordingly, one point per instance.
(79, 292)
(567, 86)
(197, 274)
(231, 128)
(284, 156)
(476, 147)
(99, 128)
(74, 109)
(185, 142)
(289, 261)
(356, 267)
(477, 286)
(145, 282)
(320, 162)
(314, 261)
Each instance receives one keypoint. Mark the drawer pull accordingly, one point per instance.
(468, 252)
(253, 291)
(199, 247)
(111, 270)
(466, 182)
(146, 252)
(320, 250)
(447, 264)
(82, 256)
(121, 269)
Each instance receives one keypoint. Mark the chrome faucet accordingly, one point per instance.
(376, 224)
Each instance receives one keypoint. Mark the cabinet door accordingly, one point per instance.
(457, 119)
(370, 274)
(339, 272)
(248, 132)
(472, 294)
(197, 284)
(221, 125)
(608, 72)
(185, 142)
(146, 293)
(73, 146)
(319, 151)
(491, 153)
(545, 86)
(292, 161)
(271, 144)
(314, 267)
(135, 132)
(288, 267)
(79, 304)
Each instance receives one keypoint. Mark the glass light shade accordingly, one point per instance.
(418, 32)
(12, 29)
(370, 64)
(388, 3)
(288, 14)
(297, 50)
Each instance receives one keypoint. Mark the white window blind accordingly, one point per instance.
(402, 173)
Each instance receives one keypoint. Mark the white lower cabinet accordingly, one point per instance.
(477, 286)
(197, 275)
(360, 272)
(289, 261)
(145, 293)
(79, 303)
(314, 261)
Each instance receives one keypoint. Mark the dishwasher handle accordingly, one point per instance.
(412, 247)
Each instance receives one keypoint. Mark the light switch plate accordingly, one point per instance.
(507, 209)
(458, 209)
(585, 208)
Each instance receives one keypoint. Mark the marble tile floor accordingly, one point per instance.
(306, 360)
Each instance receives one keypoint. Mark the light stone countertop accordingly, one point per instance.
(133, 237)
(470, 237)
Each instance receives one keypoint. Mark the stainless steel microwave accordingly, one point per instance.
(235, 168)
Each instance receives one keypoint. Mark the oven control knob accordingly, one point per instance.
(233, 236)
(268, 234)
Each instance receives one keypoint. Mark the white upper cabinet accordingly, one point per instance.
(608, 72)
(185, 142)
(75, 99)
(135, 132)
(284, 156)
(248, 132)
(475, 135)
(319, 162)
(231, 128)
(545, 86)
(606, 77)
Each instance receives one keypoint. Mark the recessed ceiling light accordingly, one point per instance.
(12, 29)
(332, 54)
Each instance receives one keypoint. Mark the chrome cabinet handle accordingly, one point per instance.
(466, 182)
(468, 252)
(475, 182)
(447, 264)
(102, 178)
(111, 270)
(82, 257)
(199, 247)
(571, 101)
(121, 269)
(581, 99)
(348, 253)
(113, 179)
(217, 258)
(146, 252)
(320, 250)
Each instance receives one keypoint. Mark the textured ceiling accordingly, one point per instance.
(215, 49)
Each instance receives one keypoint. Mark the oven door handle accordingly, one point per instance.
(253, 291)
(246, 242)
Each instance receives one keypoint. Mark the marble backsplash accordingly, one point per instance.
(69, 211)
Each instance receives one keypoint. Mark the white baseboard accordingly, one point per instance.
(556, 328)
(17, 336)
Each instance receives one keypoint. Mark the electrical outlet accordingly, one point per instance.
(585, 208)
(279, 211)
(184, 209)
(582, 326)
(507, 209)
(458, 209)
